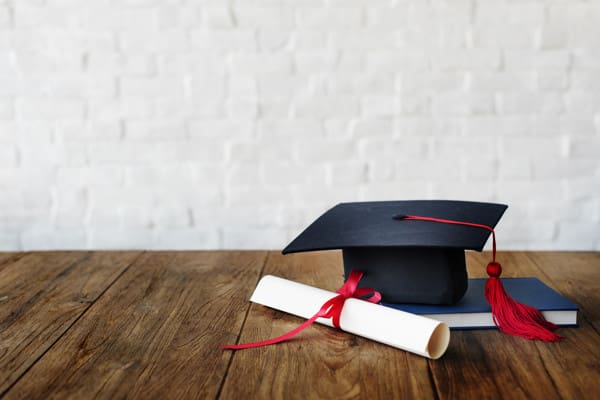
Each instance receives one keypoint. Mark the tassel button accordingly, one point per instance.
(494, 269)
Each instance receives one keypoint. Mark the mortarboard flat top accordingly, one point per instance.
(372, 224)
(407, 261)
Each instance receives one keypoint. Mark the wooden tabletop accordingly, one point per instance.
(149, 325)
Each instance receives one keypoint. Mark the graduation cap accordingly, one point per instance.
(414, 252)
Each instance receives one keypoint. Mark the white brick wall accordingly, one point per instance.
(219, 124)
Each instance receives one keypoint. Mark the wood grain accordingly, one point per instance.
(42, 295)
(6, 258)
(153, 334)
(81, 325)
(488, 363)
(323, 363)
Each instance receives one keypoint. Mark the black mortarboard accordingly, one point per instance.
(407, 261)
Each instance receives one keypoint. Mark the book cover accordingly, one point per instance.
(473, 311)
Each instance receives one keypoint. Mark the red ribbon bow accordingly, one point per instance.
(332, 308)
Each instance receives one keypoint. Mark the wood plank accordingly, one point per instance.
(323, 362)
(8, 257)
(574, 364)
(154, 333)
(43, 294)
(479, 363)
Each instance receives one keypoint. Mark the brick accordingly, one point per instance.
(488, 59)
(463, 103)
(166, 41)
(574, 125)
(309, 40)
(347, 173)
(585, 80)
(8, 156)
(582, 102)
(379, 106)
(108, 17)
(186, 239)
(340, 128)
(62, 41)
(514, 168)
(497, 81)
(324, 151)
(277, 63)
(7, 109)
(578, 235)
(585, 148)
(436, 81)
(286, 173)
(69, 177)
(322, 197)
(47, 63)
(71, 208)
(325, 61)
(372, 127)
(121, 64)
(393, 149)
(371, 40)
(117, 152)
(242, 107)
(530, 103)
(521, 59)
(51, 238)
(142, 86)
(48, 17)
(218, 16)
(120, 239)
(171, 216)
(393, 61)
(255, 195)
(50, 109)
(504, 35)
(334, 18)
(552, 79)
(532, 13)
(553, 36)
(7, 63)
(281, 84)
(8, 86)
(253, 238)
(330, 106)
(586, 57)
(532, 147)
(89, 131)
(304, 127)
(375, 191)
(224, 40)
(162, 129)
(5, 17)
(447, 148)
(10, 242)
(243, 173)
(389, 17)
(456, 189)
(269, 17)
(215, 128)
(275, 39)
(563, 169)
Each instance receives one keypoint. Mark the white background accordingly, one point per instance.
(179, 124)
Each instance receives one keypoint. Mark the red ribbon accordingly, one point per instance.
(332, 308)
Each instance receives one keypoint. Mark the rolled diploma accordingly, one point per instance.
(423, 336)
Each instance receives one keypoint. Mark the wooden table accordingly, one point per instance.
(148, 325)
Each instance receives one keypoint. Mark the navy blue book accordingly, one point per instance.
(474, 312)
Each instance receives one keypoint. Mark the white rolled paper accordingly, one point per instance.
(423, 336)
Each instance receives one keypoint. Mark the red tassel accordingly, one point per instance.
(513, 317)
